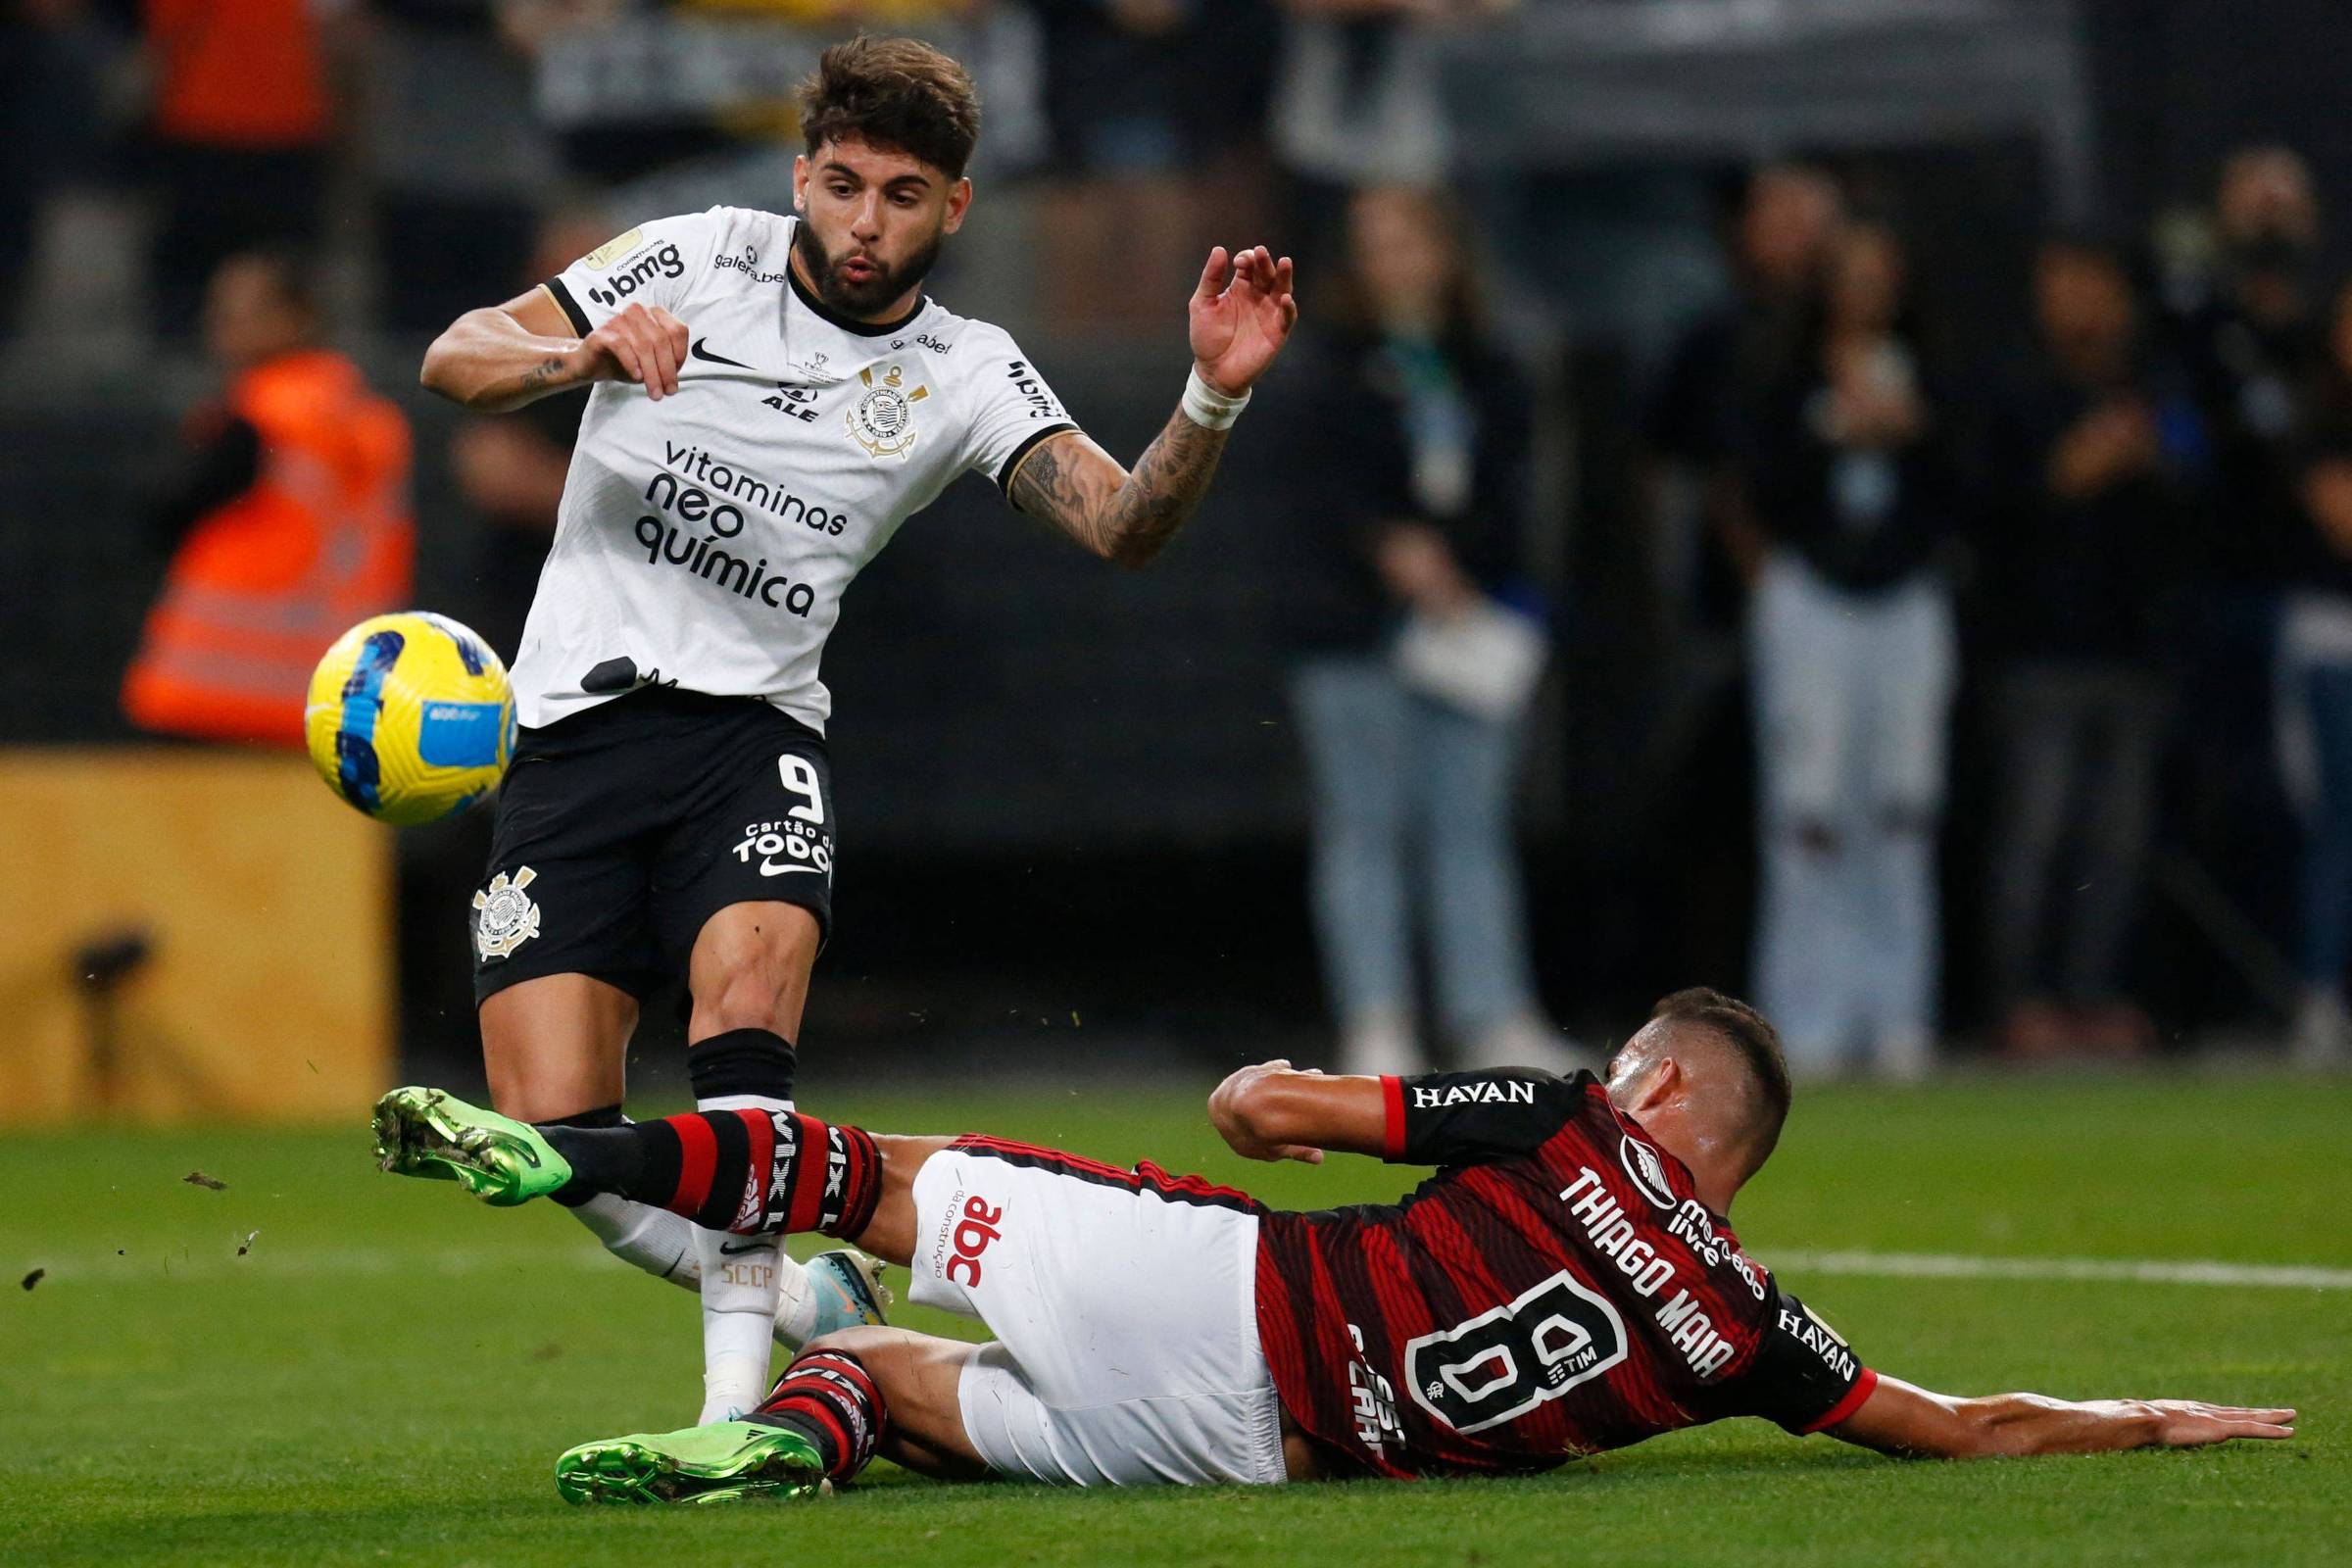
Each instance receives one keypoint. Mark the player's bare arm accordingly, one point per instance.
(1901, 1419)
(1242, 314)
(502, 357)
(1272, 1110)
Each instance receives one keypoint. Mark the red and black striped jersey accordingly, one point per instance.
(1556, 1289)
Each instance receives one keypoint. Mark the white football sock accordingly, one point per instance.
(653, 1239)
(662, 1245)
(743, 1283)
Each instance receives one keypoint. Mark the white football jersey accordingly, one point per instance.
(705, 540)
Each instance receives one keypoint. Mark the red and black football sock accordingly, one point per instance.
(828, 1398)
(748, 1171)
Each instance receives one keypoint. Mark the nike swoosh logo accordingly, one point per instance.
(770, 868)
(702, 351)
(730, 1250)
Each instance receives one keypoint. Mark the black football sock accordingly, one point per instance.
(747, 1062)
(829, 1398)
(577, 1191)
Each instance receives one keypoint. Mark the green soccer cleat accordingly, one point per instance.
(424, 1132)
(721, 1462)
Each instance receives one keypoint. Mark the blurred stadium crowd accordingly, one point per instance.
(1954, 525)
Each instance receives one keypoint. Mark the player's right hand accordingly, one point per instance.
(644, 344)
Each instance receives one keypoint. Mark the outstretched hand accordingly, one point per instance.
(2192, 1424)
(1242, 314)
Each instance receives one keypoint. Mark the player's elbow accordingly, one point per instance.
(438, 373)
(448, 367)
(1246, 1104)
(1132, 552)
(1273, 1108)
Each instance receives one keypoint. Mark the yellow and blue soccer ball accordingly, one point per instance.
(411, 718)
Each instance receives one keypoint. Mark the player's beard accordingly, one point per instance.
(881, 289)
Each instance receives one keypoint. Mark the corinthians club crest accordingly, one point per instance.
(504, 918)
(883, 420)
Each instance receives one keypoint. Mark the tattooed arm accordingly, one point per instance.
(1120, 516)
(506, 356)
(1242, 314)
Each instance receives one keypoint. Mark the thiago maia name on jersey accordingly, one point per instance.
(705, 539)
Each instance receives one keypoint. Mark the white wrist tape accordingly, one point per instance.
(1209, 408)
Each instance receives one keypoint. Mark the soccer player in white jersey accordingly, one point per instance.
(770, 397)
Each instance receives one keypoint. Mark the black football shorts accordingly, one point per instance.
(623, 829)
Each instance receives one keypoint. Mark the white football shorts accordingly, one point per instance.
(1125, 1308)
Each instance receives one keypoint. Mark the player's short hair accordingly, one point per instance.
(1757, 1045)
(895, 93)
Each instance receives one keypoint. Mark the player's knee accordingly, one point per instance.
(864, 1345)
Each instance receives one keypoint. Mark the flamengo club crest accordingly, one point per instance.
(883, 420)
(505, 915)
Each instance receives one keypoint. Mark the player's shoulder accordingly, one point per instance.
(983, 358)
(746, 246)
(960, 344)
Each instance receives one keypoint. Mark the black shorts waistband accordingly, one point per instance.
(669, 705)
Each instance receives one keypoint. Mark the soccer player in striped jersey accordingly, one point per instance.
(1567, 1283)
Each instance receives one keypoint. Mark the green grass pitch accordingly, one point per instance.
(387, 1372)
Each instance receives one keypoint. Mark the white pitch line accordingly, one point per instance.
(2134, 1271)
(299, 1263)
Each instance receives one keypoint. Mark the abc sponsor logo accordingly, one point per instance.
(979, 1225)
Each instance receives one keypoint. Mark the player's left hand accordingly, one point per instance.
(1242, 314)
(2192, 1424)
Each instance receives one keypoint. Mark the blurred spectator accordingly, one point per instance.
(459, 160)
(1416, 505)
(2252, 350)
(2315, 689)
(290, 516)
(1149, 175)
(1191, 79)
(244, 115)
(1852, 647)
(1356, 102)
(47, 114)
(1778, 251)
(2093, 447)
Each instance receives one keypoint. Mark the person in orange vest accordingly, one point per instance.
(293, 518)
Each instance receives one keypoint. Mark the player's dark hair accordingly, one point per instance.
(1758, 1044)
(895, 93)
